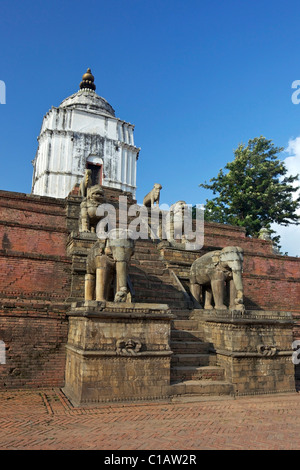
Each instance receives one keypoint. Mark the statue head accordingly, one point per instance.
(157, 187)
(95, 193)
(229, 257)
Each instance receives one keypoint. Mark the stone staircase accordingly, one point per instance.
(151, 280)
(194, 368)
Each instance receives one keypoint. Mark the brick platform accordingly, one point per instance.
(45, 420)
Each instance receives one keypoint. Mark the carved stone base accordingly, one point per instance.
(117, 352)
(254, 348)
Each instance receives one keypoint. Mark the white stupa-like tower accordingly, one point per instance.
(83, 132)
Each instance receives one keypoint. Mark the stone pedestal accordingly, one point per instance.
(254, 348)
(117, 352)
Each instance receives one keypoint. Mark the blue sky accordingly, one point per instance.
(196, 77)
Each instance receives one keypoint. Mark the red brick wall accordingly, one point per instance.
(271, 281)
(35, 278)
(34, 338)
(34, 284)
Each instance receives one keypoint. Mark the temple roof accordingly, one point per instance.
(87, 99)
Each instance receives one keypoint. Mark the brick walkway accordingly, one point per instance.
(44, 420)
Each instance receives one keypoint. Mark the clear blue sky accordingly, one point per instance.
(196, 77)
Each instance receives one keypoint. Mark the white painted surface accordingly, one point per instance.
(82, 127)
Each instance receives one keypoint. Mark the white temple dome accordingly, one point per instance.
(88, 100)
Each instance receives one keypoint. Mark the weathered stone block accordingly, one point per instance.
(253, 348)
(117, 352)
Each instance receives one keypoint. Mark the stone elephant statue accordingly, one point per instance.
(107, 261)
(213, 272)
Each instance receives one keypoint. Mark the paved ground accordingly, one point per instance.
(45, 420)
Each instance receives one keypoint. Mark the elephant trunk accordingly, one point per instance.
(237, 279)
(238, 284)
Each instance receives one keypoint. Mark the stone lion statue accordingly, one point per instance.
(153, 196)
(88, 218)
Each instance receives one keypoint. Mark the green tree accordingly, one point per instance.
(254, 191)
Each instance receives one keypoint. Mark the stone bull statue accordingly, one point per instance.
(212, 272)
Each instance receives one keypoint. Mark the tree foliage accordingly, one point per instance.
(253, 191)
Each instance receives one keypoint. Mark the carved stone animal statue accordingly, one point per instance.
(88, 218)
(107, 267)
(100, 268)
(122, 249)
(153, 196)
(175, 221)
(86, 183)
(215, 270)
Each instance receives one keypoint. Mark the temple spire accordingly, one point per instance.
(88, 81)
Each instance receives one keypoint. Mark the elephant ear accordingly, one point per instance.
(215, 258)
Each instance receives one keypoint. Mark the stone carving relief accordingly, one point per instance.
(107, 267)
(128, 347)
(266, 350)
(215, 271)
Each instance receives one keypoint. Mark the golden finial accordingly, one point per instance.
(88, 81)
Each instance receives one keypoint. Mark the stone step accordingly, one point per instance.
(186, 335)
(182, 314)
(150, 282)
(201, 388)
(194, 360)
(190, 347)
(161, 295)
(157, 299)
(146, 248)
(184, 373)
(150, 274)
(156, 267)
(184, 324)
(147, 258)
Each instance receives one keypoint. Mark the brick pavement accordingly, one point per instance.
(45, 420)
